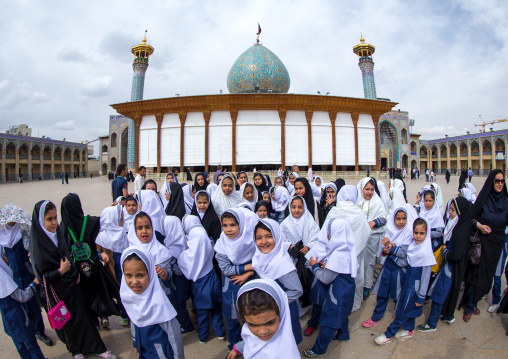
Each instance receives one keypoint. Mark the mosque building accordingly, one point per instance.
(324, 132)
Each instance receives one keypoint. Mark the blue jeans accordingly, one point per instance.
(496, 289)
(203, 316)
(30, 350)
(380, 309)
(315, 316)
(435, 312)
(407, 323)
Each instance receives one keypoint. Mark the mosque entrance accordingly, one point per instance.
(384, 162)
(388, 144)
(123, 145)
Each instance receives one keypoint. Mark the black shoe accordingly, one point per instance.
(183, 331)
(45, 339)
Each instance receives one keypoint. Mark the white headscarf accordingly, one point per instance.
(289, 186)
(432, 216)
(282, 344)
(473, 191)
(187, 196)
(340, 249)
(402, 236)
(384, 196)
(165, 188)
(241, 249)
(255, 190)
(196, 261)
(211, 188)
(10, 236)
(221, 202)
(421, 255)
(276, 263)
(316, 190)
(51, 235)
(466, 193)
(7, 284)
(303, 229)
(246, 205)
(439, 198)
(111, 235)
(175, 238)
(373, 208)
(281, 198)
(396, 193)
(310, 175)
(128, 218)
(152, 306)
(160, 253)
(152, 205)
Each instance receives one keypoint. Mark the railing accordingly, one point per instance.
(1, 178)
(475, 153)
(35, 176)
(67, 158)
(423, 155)
(36, 157)
(463, 155)
(56, 158)
(12, 178)
(47, 175)
(487, 153)
(434, 156)
(23, 157)
(453, 155)
(47, 157)
(10, 157)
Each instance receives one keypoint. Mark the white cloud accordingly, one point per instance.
(65, 125)
(97, 86)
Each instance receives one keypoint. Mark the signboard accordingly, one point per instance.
(500, 156)
(413, 153)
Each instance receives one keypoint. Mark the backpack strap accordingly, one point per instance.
(82, 231)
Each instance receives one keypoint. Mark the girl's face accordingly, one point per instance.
(258, 181)
(170, 179)
(150, 186)
(144, 229)
(452, 211)
(264, 240)
(193, 194)
(262, 212)
(230, 228)
(131, 207)
(201, 180)
(292, 179)
(208, 177)
(263, 325)
(419, 233)
(498, 182)
(136, 276)
(299, 189)
(248, 194)
(428, 201)
(330, 192)
(368, 191)
(122, 202)
(51, 221)
(297, 208)
(400, 219)
(266, 197)
(202, 203)
(227, 186)
(272, 194)
(318, 182)
(278, 182)
(242, 179)
(219, 178)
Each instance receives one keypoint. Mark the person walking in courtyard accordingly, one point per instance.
(470, 174)
(62, 177)
(140, 179)
(119, 184)
(66, 178)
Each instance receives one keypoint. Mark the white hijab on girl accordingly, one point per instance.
(373, 208)
(52, 236)
(340, 249)
(241, 249)
(152, 306)
(289, 186)
(187, 196)
(165, 188)
(433, 216)
(282, 344)
(293, 229)
(396, 193)
(276, 263)
(383, 194)
(421, 255)
(111, 235)
(254, 199)
(152, 205)
(221, 202)
(451, 224)
(160, 253)
(10, 236)
(128, 218)
(281, 200)
(196, 261)
(402, 236)
(175, 238)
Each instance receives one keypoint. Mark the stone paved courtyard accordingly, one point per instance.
(483, 337)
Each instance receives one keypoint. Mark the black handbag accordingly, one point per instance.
(475, 249)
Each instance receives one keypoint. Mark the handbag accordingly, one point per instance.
(475, 250)
(59, 314)
(438, 254)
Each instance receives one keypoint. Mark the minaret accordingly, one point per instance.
(141, 53)
(364, 52)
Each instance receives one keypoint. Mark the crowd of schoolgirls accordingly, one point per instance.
(248, 259)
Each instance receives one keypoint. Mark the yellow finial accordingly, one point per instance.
(144, 39)
(362, 40)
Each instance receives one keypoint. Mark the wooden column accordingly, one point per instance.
(333, 117)
(282, 116)
(137, 121)
(206, 115)
(448, 156)
(4, 179)
(53, 162)
(158, 118)
(182, 115)
(72, 163)
(308, 116)
(234, 115)
(355, 116)
(375, 119)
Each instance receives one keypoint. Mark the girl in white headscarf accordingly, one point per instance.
(420, 260)
(396, 195)
(249, 193)
(152, 205)
(165, 192)
(472, 189)
(273, 262)
(274, 339)
(466, 193)
(395, 244)
(155, 328)
(317, 186)
(338, 273)
(439, 197)
(196, 265)
(375, 211)
(280, 199)
(189, 192)
(225, 197)
(427, 208)
(346, 209)
(290, 183)
(383, 194)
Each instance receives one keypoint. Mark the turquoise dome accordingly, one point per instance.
(259, 68)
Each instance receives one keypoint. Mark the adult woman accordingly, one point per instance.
(241, 178)
(489, 218)
(53, 265)
(261, 184)
(328, 199)
(200, 182)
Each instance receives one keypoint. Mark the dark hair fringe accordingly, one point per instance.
(419, 222)
(432, 194)
(256, 302)
(262, 226)
(228, 215)
(141, 215)
(49, 207)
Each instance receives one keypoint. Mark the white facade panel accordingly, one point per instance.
(148, 147)
(296, 139)
(344, 119)
(322, 147)
(220, 140)
(365, 121)
(366, 146)
(194, 139)
(148, 121)
(170, 120)
(345, 145)
(258, 137)
(170, 140)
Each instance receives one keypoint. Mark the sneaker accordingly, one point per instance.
(425, 328)
(45, 339)
(448, 321)
(476, 311)
(221, 338)
(310, 354)
(505, 291)
(467, 317)
(105, 322)
(370, 323)
(404, 334)
(107, 354)
(493, 308)
(183, 331)
(366, 293)
(79, 356)
(382, 340)
(308, 331)
(201, 342)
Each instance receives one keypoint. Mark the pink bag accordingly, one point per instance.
(59, 314)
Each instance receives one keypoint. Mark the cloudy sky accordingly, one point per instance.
(64, 62)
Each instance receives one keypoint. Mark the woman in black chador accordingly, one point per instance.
(99, 289)
(53, 265)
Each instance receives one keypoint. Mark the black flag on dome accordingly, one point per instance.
(259, 29)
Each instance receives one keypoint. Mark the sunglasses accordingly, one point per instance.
(499, 181)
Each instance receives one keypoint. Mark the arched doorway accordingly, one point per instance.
(124, 140)
(500, 154)
(433, 163)
(443, 153)
(23, 161)
(47, 173)
(403, 136)
(10, 162)
(463, 155)
(405, 161)
(414, 164)
(423, 158)
(104, 169)
(35, 154)
(113, 164)
(113, 139)
(388, 145)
